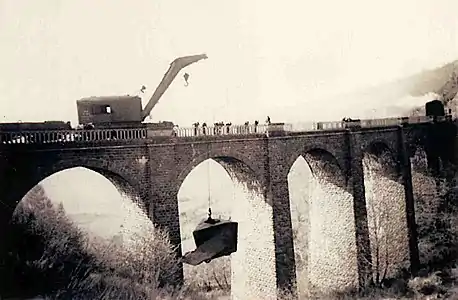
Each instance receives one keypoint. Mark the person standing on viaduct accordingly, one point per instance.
(247, 127)
(196, 127)
(204, 128)
(228, 127)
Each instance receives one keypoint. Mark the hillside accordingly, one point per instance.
(398, 97)
(415, 90)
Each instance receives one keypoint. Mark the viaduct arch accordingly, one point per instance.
(387, 210)
(21, 181)
(253, 269)
(19, 178)
(327, 222)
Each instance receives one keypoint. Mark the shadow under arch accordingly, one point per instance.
(253, 269)
(382, 159)
(325, 167)
(318, 151)
(386, 211)
(324, 220)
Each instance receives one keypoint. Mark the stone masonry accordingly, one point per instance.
(341, 233)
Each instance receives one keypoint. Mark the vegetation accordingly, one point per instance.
(49, 256)
(437, 221)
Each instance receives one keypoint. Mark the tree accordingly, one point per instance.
(45, 247)
(385, 212)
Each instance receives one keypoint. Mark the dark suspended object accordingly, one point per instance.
(214, 238)
(186, 76)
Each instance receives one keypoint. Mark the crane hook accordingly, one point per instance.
(186, 76)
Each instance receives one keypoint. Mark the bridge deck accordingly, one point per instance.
(186, 134)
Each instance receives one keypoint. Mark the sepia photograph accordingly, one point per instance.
(228, 150)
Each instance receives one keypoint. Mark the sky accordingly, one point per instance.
(263, 55)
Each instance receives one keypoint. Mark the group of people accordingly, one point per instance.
(347, 120)
(217, 128)
(221, 127)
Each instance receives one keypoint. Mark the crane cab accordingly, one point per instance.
(127, 111)
(110, 111)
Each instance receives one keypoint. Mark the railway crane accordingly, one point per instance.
(126, 111)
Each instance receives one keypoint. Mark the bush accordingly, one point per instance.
(44, 248)
(437, 223)
(214, 276)
(50, 256)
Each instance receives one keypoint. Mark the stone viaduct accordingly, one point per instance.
(152, 170)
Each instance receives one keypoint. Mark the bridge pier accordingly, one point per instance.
(283, 234)
(355, 177)
(7, 179)
(278, 197)
(163, 211)
(406, 174)
(4, 218)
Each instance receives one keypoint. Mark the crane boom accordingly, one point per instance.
(169, 76)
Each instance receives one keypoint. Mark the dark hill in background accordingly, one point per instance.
(441, 81)
(399, 97)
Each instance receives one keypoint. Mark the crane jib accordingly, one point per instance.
(175, 67)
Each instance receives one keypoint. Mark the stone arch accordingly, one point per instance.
(386, 210)
(383, 159)
(318, 151)
(253, 269)
(235, 163)
(380, 143)
(118, 177)
(328, 224)
(424, 183)
(325, 167)
(433, 153)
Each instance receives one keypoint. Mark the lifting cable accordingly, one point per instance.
(209, 190)
(208, 175)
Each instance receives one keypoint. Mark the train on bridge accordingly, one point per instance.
(62, 132)
(122, 117)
